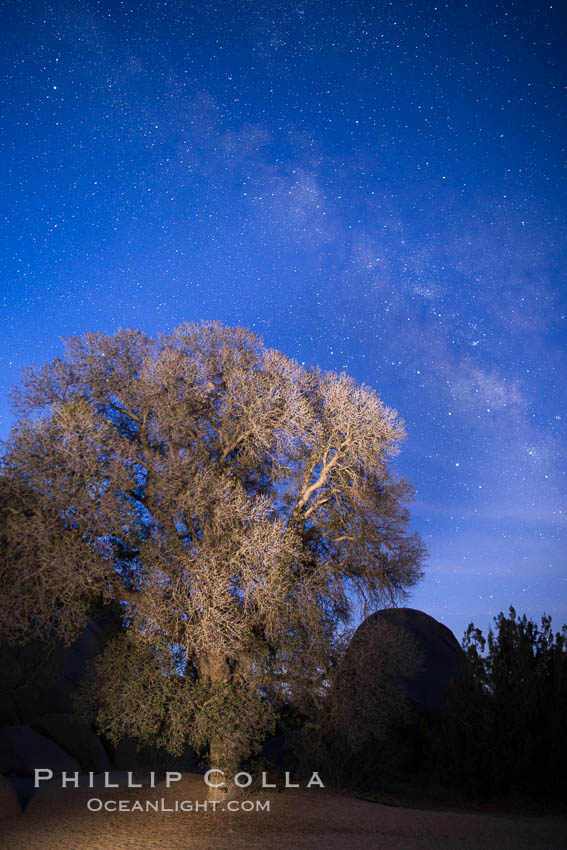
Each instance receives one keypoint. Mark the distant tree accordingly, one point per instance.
(505, 728)
(234, 502)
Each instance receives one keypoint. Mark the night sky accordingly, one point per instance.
(372, 187)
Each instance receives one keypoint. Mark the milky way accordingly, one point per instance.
(376, 188)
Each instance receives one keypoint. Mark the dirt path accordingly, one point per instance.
(308, 818)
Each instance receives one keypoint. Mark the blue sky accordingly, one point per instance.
(373, 187)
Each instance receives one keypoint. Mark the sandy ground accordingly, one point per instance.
(306, 818)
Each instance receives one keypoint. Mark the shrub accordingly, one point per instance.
(504, 730)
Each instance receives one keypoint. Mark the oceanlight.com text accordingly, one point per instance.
(95, 804)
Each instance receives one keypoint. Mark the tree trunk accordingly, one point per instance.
(221, 785)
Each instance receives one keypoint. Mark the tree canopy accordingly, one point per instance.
(234, 503)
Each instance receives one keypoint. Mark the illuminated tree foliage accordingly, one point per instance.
(233, 501)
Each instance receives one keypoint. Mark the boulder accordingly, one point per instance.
(89, 643)
(440, 655)
(8, 712)
(22, 750)
(53, 688)
(46, 693)
(11, 671)
(9, 801)
(411, 696)
(76, 738)
(42, 679)
(39, 684)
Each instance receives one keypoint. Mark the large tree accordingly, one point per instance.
(235, 503)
